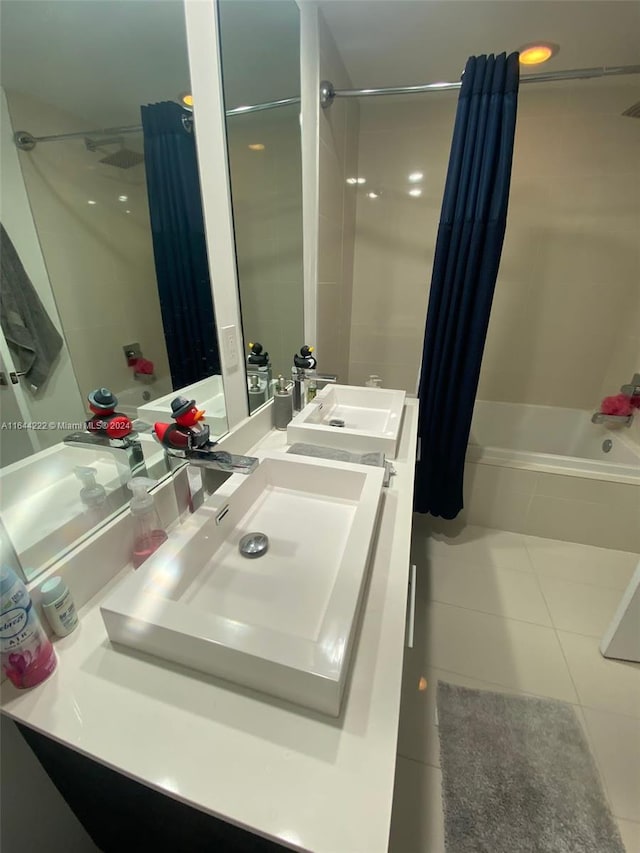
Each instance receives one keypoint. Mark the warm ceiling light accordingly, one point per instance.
(123, 197)
(415, 192)
(414, 177)
(186, 99)
(256, 146)
(352, 181)
(534, 54)
(361, 180)
(91, 201)
(373, 195)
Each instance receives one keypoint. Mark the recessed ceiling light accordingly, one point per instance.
(352, 181)
(373, 195)
(361, 180)
(537, 52)
(415, 192)
(256, 146)
(127, 211)
(123, 198)
(414, 177)
(91, 201)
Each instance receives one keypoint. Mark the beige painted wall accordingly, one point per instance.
(99, 258)
(338, 160)
(58, 399)
(566, 313)
(266, 188)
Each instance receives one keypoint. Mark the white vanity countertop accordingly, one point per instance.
(302, 779)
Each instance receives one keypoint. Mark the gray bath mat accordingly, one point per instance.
(518, 777)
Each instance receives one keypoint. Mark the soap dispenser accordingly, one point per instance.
(148, 532)
(92, 494)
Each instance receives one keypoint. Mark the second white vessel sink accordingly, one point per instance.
(284, 622)
(351, 418)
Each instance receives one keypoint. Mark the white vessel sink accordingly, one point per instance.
(208, 394)
(368, 418)
(283, 623)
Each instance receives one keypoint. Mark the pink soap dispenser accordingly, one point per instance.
(148, 532)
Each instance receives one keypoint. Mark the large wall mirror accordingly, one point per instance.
(260, 50)
(105, 276)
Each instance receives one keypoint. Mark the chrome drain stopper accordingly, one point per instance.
(254, 545)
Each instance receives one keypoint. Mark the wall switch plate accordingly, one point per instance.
(230, 347)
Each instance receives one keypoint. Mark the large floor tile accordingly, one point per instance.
(607, 685)
(615, 741)
(491, 589)
(479, 545)
(581, 563)
(579, 607)
(630, 833)
(490, 648)
(417, 821)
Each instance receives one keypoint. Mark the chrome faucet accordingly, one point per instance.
(216, 460)
(633, 389)
(129, 445)
(602, 418)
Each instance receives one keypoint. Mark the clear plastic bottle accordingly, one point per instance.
(148, 532)
(27, 653)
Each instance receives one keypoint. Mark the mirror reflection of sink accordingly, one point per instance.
(41, 506)
(351, 418)
(208, 394)
(284, 622)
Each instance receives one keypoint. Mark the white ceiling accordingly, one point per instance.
(405, 42)
(101, 59)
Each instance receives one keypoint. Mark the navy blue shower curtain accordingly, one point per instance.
(467, 256)
(179, 247)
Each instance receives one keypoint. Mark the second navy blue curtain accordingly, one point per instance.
(467, 256)
(179, 247)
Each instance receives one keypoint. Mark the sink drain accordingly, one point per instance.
(607, 444)
(254, 545)
(336, 422)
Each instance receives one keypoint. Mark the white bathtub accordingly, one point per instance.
(548, 471)
(140, 393)
(548, 438)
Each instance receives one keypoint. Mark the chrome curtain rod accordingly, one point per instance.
(25, 141)
(328, 93)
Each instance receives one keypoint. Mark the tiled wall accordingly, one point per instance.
(99, 257)
(555, 506)
(338, 160)
(566, 314)
(266, 188)
(59, 399)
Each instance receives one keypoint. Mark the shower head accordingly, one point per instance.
(633, 111)
(124, 158)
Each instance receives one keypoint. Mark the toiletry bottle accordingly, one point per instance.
(312, 385)
(58, 606)
(148, 532)
(27, 654)
(282, 404)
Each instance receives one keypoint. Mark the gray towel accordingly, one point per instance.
(31, 336)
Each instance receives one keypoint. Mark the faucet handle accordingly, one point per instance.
(633, 389)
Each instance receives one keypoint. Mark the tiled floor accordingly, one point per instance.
(506, 612)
